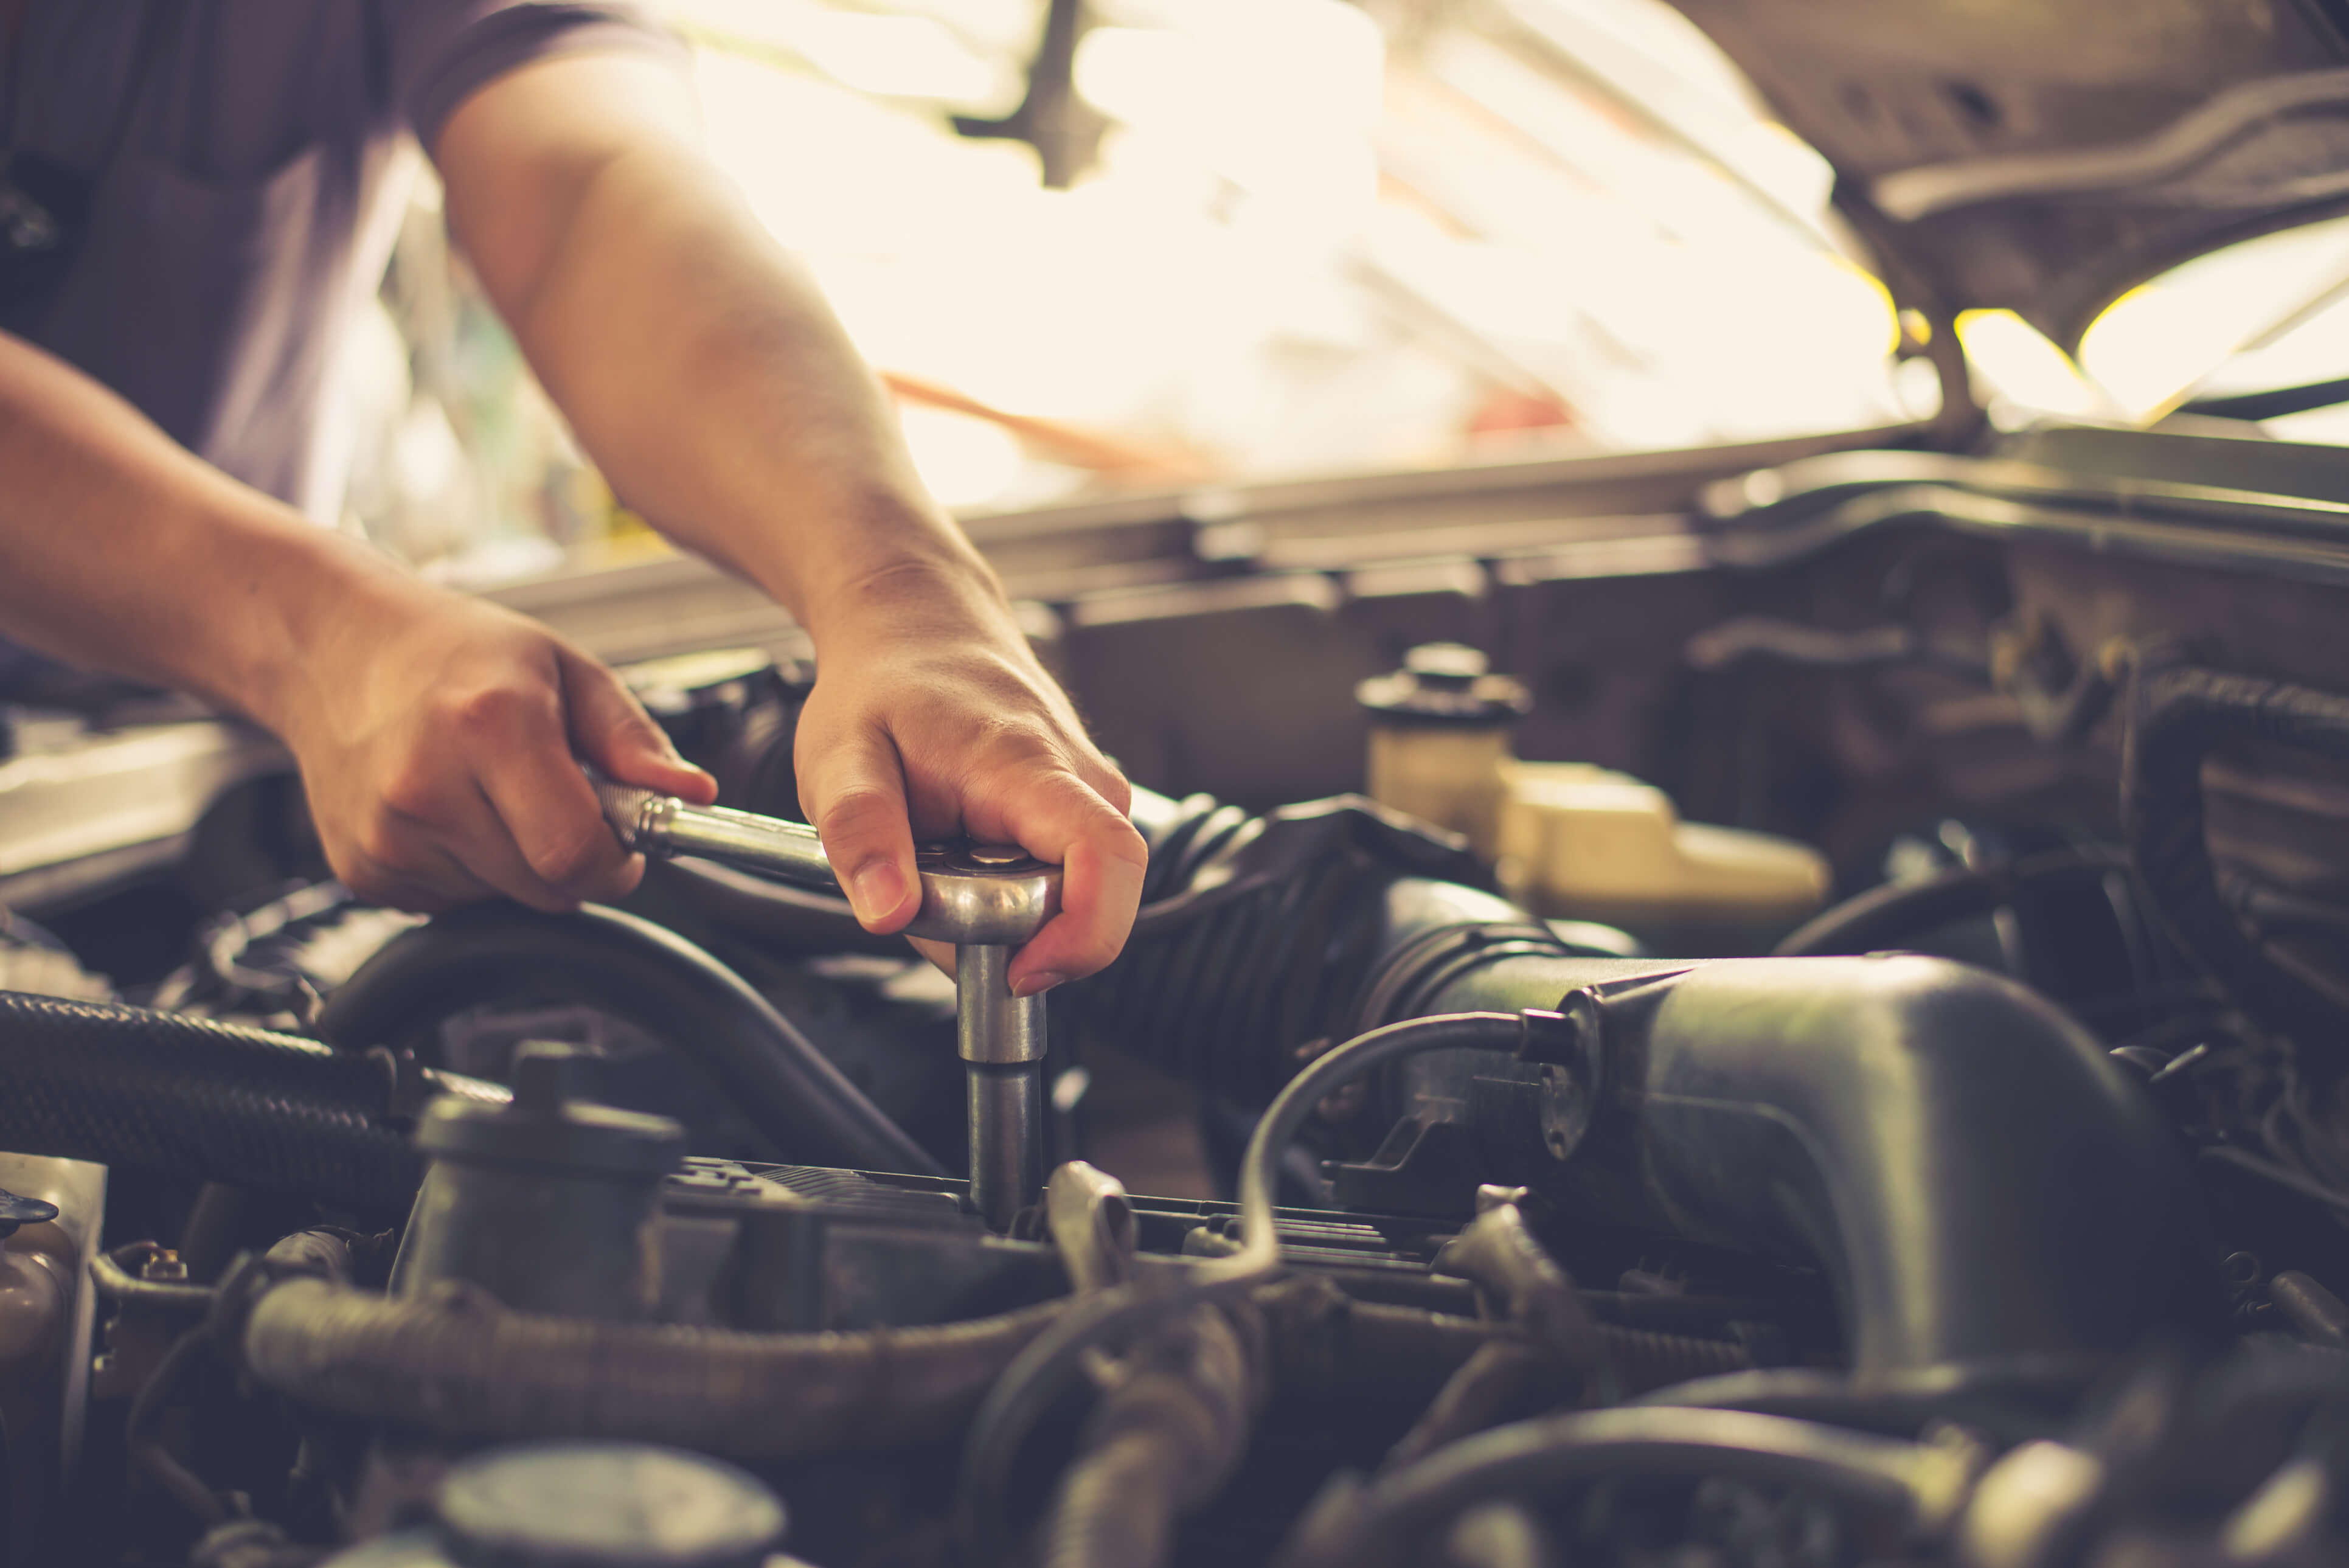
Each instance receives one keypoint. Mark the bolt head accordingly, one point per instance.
(546, 1074)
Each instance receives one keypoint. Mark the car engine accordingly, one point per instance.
(1989, 1214)
(1772, 1006)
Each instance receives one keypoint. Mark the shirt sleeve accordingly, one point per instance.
(443, 51)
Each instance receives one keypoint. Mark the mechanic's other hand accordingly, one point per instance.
(933, 718)
(440, 738)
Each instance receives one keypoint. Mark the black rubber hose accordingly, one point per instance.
(459, 1365)
(205, 1100)
(1916, 1487)
(2179, 716)
(2013, 1398)
(1897, 913)
(651, 976)
(778, 916)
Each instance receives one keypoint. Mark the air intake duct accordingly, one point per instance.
(1959, 1156)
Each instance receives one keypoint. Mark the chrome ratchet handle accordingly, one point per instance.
(661, 826)
(989, 893)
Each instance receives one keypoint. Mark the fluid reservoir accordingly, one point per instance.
(1595, 844)
(1569, 841)
(1440, 739)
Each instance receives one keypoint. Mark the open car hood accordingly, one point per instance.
(2045, 157)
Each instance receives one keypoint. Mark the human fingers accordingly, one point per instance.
(517, 737)
(1056, 815)
(609, 727)
(854, 791)
(479, 839)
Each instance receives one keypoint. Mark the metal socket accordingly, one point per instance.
(1006, 1113)
(992, 1027)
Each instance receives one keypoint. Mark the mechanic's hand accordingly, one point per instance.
(938, 721)
(439, 739)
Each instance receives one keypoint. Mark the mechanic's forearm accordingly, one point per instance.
(121, 551)
(724, 401)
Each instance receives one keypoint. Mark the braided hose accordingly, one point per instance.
(205, 1100)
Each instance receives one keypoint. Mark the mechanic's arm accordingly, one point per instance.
(434, 732)
(724, 403)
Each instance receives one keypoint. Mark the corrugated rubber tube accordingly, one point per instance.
(207, 1100)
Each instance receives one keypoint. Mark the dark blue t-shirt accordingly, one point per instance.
(246, 158)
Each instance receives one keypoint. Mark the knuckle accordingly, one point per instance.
(1115, 788)
(381, 842)
(1094, 952)
(576, 860)
(858, 811)
(411, 791)
(1015, 741)
(1122, 841)
(1093, 817)
(488, 710)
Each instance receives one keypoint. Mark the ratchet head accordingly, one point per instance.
(990, 894)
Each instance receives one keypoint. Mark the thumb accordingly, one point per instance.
(611, 729)
(855, 789)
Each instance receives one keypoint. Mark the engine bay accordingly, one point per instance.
(1930, 1150)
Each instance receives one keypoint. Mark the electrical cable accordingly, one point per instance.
(1882, 916)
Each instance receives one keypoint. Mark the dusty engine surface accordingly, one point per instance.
(1989, 1215)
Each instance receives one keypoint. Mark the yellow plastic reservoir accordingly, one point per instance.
(1440, 736)
(1587, 843)
(1570, 840)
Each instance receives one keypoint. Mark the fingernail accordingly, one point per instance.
(876, 888)
(1036, 984)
